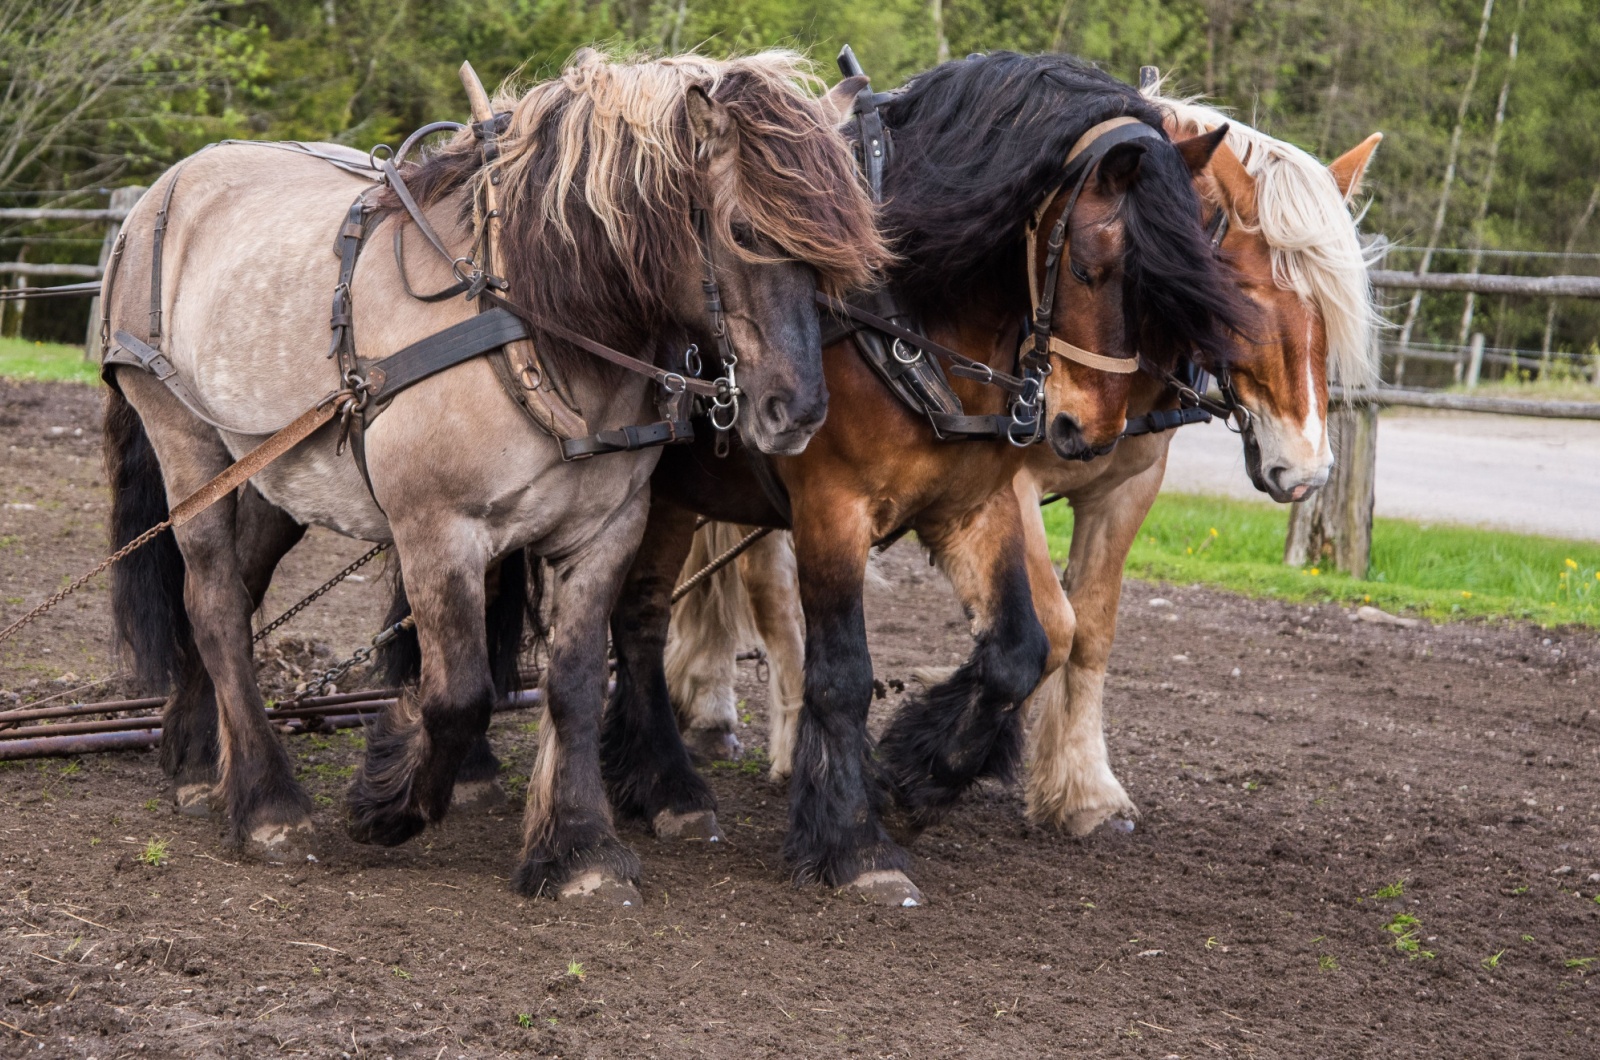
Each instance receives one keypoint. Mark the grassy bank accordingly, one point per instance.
(26, 359)
(1441, 572)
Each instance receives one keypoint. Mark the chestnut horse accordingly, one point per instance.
(600, 174)
(1289, 232)
(978, 151)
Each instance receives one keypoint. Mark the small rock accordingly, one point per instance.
(1384, 618)
(58, 431)
(1594, 877)
(1565, 870)
(1234, 672)
(355, 577)
(1151, 953)
(65, 679)
(1160, 601)
(1180, 657)
(22, 507)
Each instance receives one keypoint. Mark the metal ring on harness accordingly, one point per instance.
(1242, 414)
(901, 345)
(733, 414)
(531, 376)
(673, 383)
(374, 160)
(691, 359)
(1032, 427)
(455, 269)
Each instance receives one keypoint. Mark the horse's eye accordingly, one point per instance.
(1080, 273)
(745, 236)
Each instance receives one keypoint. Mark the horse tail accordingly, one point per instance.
(150, 623)
(513, 601)
(710, 624)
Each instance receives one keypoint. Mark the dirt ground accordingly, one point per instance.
(1308, 783)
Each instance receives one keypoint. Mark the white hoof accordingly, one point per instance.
(698, 825)
(596, 886)
(889, 887)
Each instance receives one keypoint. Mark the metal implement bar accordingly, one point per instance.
(721, 561)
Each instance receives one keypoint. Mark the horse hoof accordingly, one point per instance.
(196, 800)
(712, 745)
(887, 887)
(602, 889)
(1082, 822)
(281, 844)
(478, 796)
(696, 825)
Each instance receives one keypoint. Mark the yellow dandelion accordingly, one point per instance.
(1366, 599)
(1572, 564)
(1465, 595)
(1213, 531)
(1315, 571)
(1188, 551)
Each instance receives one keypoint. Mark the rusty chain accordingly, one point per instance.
(319, 592)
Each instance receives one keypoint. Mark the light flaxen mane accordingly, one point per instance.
(1307, 223)
(623, 146)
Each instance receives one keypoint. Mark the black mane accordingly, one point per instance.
(978, 145)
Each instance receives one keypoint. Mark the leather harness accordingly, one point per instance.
(502, 328)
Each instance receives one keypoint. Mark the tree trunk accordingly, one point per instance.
(1476, 261)
(1451, 159)
(121, 199)
(1334, 527)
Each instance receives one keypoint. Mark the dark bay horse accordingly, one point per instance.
(600, 174)
(979, 151)
(1284, 222)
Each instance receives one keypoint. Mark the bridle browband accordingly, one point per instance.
(1024, 422)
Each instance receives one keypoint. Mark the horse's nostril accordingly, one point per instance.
(1065, 437)
(775, 410)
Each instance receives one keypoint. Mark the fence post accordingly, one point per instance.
(1335, 525)
(121, 199)
(1475, 367)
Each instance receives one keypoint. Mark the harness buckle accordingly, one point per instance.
(673, 383)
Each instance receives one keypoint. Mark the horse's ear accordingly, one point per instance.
(708, 122)
(841, 98)
(1350, 167)
(1120, 167)
(1196, 151)
(1234, 183)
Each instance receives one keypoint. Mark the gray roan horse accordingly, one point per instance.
(598, 176)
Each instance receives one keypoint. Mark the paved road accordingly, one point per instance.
(1507, 472)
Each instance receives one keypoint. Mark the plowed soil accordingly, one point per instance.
(1357, 841)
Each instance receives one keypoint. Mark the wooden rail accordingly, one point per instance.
(47, 213)
(1488, 283)
(1433, 399)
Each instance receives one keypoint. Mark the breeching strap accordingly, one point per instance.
(234, 476)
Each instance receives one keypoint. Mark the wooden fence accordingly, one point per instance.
(1335, 525)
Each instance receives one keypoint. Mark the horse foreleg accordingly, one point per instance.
(417, 745)
(1070, 782)
(969, 726)
(773, 585)
(647, 767)
(569, 847)
(189, 720)
(836, 834)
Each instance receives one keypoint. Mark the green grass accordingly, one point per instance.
(1440, 572)
(26, 359)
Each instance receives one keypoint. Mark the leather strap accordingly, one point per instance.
(960, 364)
(1164, 420)
(627, 439)
(252, 463)
(158, 238)
(1116, 365)
(441, 350)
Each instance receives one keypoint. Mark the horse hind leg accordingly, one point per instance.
(189, 721)
(267, 811)
(416, 747)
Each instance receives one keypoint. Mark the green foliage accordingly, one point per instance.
(1442, 572)
(120, 89)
